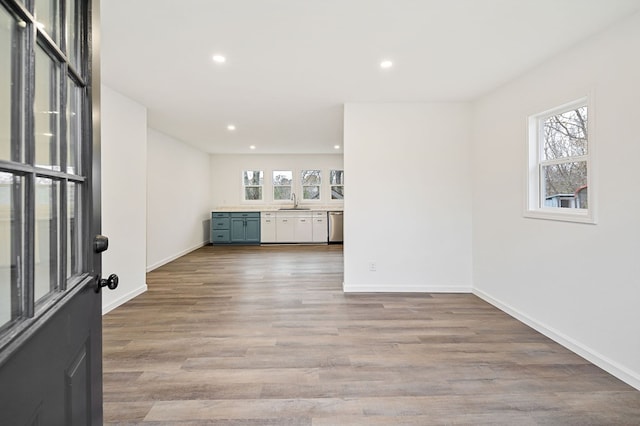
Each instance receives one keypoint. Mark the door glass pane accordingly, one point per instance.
(74, 257)
(73, 34)
(74, 127)
(46, 236)
(11, 239)
(8, 40)
(47, 112)
(47, 14)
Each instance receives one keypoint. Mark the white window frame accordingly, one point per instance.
(535, 207)
(332, 185)
(243, 187)
(274, 186)
(303, 186)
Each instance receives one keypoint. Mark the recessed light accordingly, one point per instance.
(219, 59)
(386, 64)
(252, 147)
(231, 127)
(336, 147)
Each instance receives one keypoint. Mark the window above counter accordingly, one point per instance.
(304, 188)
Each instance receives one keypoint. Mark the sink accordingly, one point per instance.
(294, 208)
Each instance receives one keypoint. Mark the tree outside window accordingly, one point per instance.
(564, 159)
(559, 158)
(252, 181)
(336, 182)
(311, 181)
(282, 181)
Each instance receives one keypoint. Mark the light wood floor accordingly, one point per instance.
(265, 336)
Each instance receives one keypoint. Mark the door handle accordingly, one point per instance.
(100, 243)
(111, 282)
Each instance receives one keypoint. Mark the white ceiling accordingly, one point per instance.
(292, 64)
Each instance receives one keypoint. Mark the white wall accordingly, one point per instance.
(124, 177)
(178, 199)
(408, 202)
(577, 283)
(226, 173)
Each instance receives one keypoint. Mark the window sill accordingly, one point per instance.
(562, 215)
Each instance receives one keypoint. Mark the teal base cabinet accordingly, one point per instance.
(220, 228)
(235, 228)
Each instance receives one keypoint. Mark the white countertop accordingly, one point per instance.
(269, 208)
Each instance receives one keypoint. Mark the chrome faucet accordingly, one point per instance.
(295, 200)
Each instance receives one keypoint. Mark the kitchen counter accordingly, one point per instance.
(272, 224)
(282, 208)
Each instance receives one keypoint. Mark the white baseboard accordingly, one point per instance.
(124, 299)
(174, 257)
(391, 288)
(630, 377)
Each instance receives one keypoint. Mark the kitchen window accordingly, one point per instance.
(336, 182)
(252, 182)
(560, 180)
(311, 180)
(282, 182)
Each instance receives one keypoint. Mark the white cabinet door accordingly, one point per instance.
(285, 230)
(303, 229)
(320, 232)
(268, 230)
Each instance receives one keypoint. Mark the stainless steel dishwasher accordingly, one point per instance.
(335, 227)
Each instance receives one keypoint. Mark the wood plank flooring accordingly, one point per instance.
(265, 336)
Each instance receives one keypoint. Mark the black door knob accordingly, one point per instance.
(111, 282)
(100, 243)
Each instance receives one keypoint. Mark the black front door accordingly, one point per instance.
(50, 311)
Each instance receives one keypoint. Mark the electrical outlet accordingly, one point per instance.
(373, 266)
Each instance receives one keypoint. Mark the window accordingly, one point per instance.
(45, 143)
(336, 181)
(311, 180)
(559, 164)
(47, 111)
(252, 182)
(9, 36)
(282, 181)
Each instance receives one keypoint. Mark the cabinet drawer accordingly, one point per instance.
(246, 214)
(319, 214)
(221, 223)
(268, 214)
(220, 236)
(293, 214)
(218, 214)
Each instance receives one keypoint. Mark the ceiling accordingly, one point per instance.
(292, 64)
